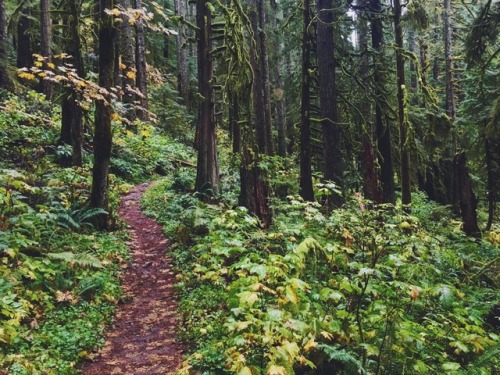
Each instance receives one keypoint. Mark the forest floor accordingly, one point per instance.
(143, 339)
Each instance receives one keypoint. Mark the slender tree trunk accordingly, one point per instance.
(266, 82)
(5, 82)
(492, 148)
(383, 129)
(140, 52)
(258, 81)
(182, 53)
(400, 70)
(450, 96)
(24, 52)
(468, 202)
(234, 121)
(279, 87)
(328, 96)
(72, 114)
(207, 176)
(45, 44)
(102, 133)
(306, 188)
(127, 53)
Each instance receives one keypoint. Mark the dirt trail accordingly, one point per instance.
(142, 341)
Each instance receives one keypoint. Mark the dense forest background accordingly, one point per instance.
(330, 175)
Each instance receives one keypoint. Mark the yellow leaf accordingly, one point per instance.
(38, 64)
(326, 335)
(145, 133)
(115, 116)
(51, 65)
(311, 344)
(123, 66)
(26, 75)
(131, 75)
(276, 370)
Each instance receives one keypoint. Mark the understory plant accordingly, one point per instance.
(364, 289)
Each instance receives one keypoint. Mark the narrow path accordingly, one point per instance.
(142, 341)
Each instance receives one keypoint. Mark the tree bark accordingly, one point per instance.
(126, 43)
(383, 129)
(279, 87)
(306, 188)
(140, 59)
(102, 132)
(333, 169)
(5, 82)
(450, 96)
(24, 52)
(266, 82)
(492, 148)
(468, 202)
(207, 176)
(400, 71)
(45, 44)
(258, 81)
(71, 112)
(182, 57)
(234, 121)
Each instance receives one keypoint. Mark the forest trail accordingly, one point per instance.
(143, 340)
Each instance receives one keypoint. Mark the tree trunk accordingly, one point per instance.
(102, 133)
(450, 96)
(24, 52)
(400, 71)
(234, 121)
(71, 112)
(45, 44)
(333, 170)
(266, 83)
(5, 82)
(367, 159)
(468, 202)
(258, 81)
(126, 45)
(182, 57)
(254, 193)
(383, 129)
(492, 148)
(207, 176)
(140, 59)
(279, 87)
(306, 188)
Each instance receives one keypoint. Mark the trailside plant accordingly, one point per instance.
(366, 289)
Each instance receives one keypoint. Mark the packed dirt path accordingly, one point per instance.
(143, 340)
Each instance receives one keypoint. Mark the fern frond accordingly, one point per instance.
(350, 364)
(84, 260)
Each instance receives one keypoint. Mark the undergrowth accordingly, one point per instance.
(365, 289)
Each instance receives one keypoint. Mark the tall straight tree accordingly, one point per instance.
(207, 173)
(450, 95)
(182, 52)
(328, 96)
(45, 44)
(400, 72)
(24, 52)
(103, 112)
(306, 186)
(141, 65)
(4, 76)
(71, 112)
(127, 54)
(383, 130)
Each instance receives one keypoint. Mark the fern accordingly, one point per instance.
(77, 219)
(350, 364)
(84, 260)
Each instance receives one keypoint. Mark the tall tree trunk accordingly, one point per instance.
(266, 83)
(492, 148)
(400, 71)
(234, 121)
(182, 57)
(328, 96)
(140, 59)
(127, 53)
(383, 129)
(367, 159)
(468, 202)
(71, 112)
(306, 188)
(279, 86)
(102, 133)
(207, 176)
(258, 81)
(450, 96)
(45, 44)
(24, 52)
(5, 82)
